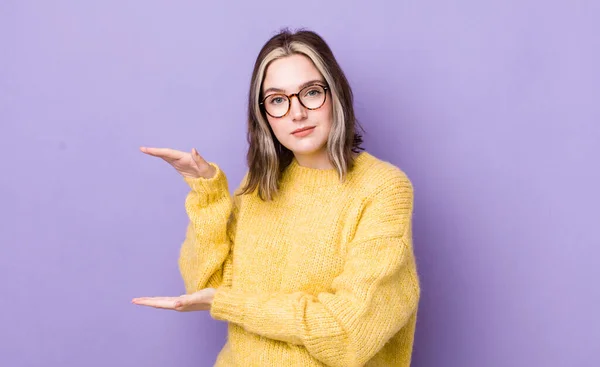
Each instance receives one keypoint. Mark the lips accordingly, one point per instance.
(303, 129)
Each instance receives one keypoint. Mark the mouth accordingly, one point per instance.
(303, 129)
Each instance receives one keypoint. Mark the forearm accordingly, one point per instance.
(200, 263)
(207, 244)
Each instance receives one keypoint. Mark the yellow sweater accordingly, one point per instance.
(324, 275)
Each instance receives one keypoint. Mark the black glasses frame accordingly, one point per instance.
(297, 95)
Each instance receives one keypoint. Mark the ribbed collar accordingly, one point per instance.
(295, 174)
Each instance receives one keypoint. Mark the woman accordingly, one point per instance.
(311, 262)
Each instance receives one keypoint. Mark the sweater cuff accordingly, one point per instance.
(228, 305)
(211, 188)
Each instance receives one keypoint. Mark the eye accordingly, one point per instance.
(313, 92)
(276, 100)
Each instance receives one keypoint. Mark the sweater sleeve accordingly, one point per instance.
(207, 245)
(374, 296)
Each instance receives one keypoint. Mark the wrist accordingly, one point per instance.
(209, 173)
(206, 174)
(211, 189)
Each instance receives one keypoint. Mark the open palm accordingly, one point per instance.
(198, 301)
(190, 165)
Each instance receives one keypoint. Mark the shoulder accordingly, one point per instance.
(242, 184)
(385, 197)
(372, 176)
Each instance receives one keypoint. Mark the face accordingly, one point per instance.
(301, 130)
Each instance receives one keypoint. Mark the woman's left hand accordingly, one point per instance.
(198, 301)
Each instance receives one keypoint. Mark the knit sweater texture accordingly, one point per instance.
(323, 275)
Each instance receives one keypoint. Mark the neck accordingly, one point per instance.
(301, 178)
(318, 160)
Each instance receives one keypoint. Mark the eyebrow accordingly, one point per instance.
(278, 90)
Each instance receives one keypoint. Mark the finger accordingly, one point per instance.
(198, 158)
(164, 153)
(168, 304)
(157, 298)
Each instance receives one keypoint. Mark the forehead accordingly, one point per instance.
(290, 72)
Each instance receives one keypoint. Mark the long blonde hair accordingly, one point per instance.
(267, 157)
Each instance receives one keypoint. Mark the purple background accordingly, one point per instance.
(491, 107)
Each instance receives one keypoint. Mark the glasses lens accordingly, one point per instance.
(312, 96)
(277, 104)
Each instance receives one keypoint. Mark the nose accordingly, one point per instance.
(297, 110)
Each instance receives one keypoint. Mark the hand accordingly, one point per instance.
(198, 301)
(190, 165)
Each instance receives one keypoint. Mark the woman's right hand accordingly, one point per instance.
(190, 165)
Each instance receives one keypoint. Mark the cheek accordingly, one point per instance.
(276, 126)
(326, 116)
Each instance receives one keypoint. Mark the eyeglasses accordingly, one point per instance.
(311, 97)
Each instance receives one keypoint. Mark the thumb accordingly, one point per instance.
(197, 158)
(206, 170)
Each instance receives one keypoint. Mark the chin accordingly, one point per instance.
(309, 145)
